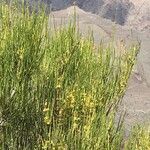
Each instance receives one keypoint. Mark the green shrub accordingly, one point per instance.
(57, 89)
(139, 139)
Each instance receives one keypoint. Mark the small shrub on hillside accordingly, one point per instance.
(55, 92)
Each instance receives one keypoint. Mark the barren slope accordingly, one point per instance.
(139, 16)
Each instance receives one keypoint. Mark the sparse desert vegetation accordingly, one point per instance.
(58, 90)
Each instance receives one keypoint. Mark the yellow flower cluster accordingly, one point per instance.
(51, 145)
(20, 53)
(88, 102)
(47, 119)
(59, 83)
(71, 100)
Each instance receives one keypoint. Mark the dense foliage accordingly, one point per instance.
(57, 89)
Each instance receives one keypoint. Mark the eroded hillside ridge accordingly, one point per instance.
(130, 12)
(115, 10)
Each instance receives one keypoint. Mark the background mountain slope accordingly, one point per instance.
(116, 11)
(124, 12)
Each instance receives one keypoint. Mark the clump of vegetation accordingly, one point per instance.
(57, 89)
(139, 139)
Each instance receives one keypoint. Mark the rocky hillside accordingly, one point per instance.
(130, 12)
(139, 16)
(134, 13)
(115, 10)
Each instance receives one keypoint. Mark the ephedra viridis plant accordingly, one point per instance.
(57, 89)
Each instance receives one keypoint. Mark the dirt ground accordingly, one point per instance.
(136, 101)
